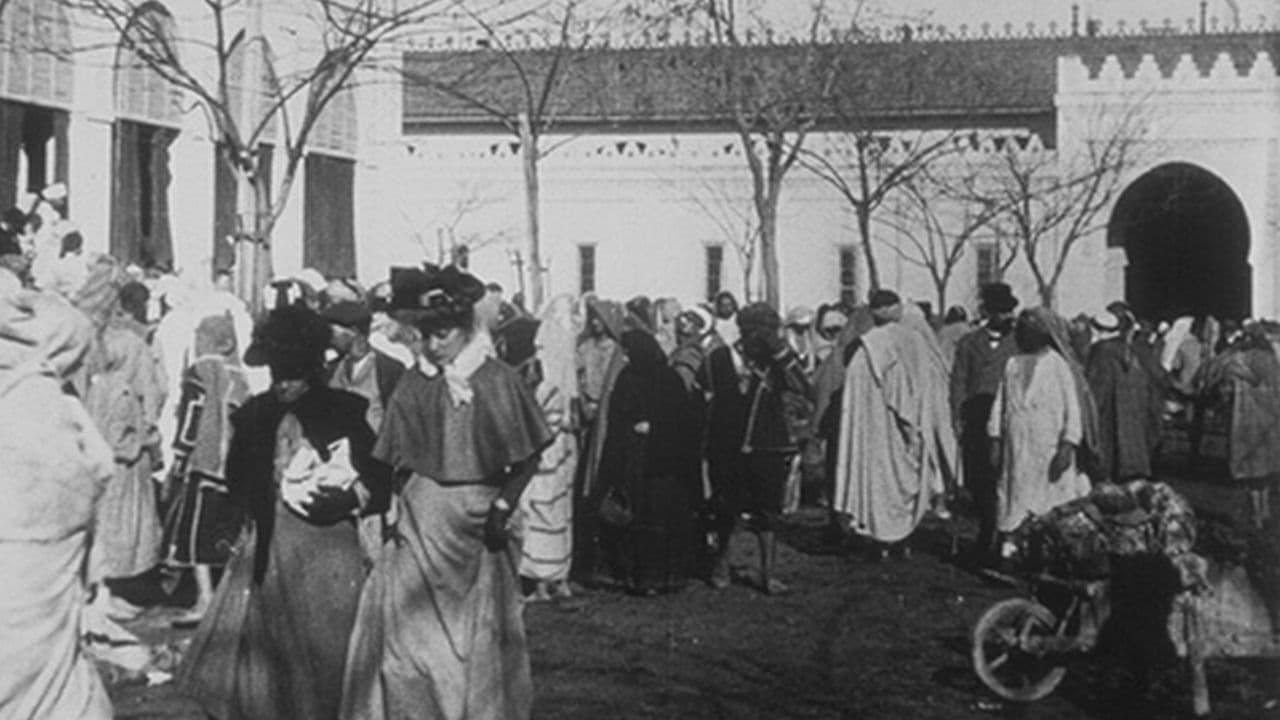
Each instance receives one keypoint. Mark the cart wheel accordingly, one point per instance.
(1000, 654)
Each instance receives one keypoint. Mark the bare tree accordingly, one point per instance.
(737, 223)
(866, 166)
(518, 88)
(772, 94)
(454, 243)
(931, 238)
(1051, 200)
(342, 35)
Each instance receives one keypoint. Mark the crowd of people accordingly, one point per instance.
(366, 486)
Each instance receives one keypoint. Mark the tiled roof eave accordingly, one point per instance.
(424, 124)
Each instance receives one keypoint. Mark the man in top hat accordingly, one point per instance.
(975, 376)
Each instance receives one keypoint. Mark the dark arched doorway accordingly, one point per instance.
(1187, 241)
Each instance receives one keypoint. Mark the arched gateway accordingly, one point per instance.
(1186, 238)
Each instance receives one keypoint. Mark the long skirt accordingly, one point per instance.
(276, 650)
(440, 635)
(43, 673)
(127, 531)
(546, 510)
(659, 549)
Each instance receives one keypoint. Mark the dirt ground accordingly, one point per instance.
(856, 638)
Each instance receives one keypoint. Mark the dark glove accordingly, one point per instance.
(495, 528)
(1061, 461)
(328, 505)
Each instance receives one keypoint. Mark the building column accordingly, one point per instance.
(89, 178)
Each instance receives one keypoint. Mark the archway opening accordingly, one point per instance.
(1186, 237)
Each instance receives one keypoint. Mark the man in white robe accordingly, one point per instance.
(896, 450)
(1037, 423)
(56, 465)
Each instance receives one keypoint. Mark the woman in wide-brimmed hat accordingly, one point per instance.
(273, 643)
(440, 632)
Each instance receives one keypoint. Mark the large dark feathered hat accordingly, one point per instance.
(291, 340)
(433, 296)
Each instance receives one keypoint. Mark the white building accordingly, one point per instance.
(140, 155)
(643, 191)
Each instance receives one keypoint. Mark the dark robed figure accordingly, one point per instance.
(273, 643)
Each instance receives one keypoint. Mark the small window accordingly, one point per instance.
(848, 275)
(715, 270)
(586, 269)
(988, 265)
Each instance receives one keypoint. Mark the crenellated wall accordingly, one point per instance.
(1219, 111)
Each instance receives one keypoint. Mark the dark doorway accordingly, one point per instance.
(140, 232)
(26, 131)
(1187, 241)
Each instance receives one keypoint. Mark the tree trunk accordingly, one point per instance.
(529, 159)
(253, 245)
(769, 251)
(1047, 291)
(864, 232)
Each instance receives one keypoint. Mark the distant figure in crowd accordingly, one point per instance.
(651, 457)
(1038, 421)
(639, 314)
(1247, 376)
(343, 290)
(546, 507)
(828, 389)
(273, 644)
(979, 364)
(125, 391)
(725, 309)
(799, 331)
(57, 465)
(1182, 353)
(488, 307)
(955, 325)
(1129, 401)
(694, 340)
(15, 258)
(665, 312)
(896, 449)
(385, 334)
(202, 523)
(748, 444)
(599, 360)
(829, 320)
(360, 368)
(440, 633)
(514, 342)
(596, 353)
